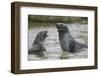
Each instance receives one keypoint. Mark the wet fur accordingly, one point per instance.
(38, 44)
(67, 41)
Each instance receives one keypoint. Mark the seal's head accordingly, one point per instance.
(44, 34)
(41, 36)
(62, 28)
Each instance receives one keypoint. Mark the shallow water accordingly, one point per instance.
(53, 50)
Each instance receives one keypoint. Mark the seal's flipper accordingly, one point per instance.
(35, 49)
(80, 46)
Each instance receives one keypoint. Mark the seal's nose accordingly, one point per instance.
(57, 26)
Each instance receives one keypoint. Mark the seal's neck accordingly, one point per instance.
(62, 34)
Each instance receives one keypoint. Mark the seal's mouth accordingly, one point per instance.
(61, 27)
(58, 27)
(45, 34)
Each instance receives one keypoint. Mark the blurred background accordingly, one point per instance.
(48, 20)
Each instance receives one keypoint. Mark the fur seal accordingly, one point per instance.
(38, 44)
(67, 42)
